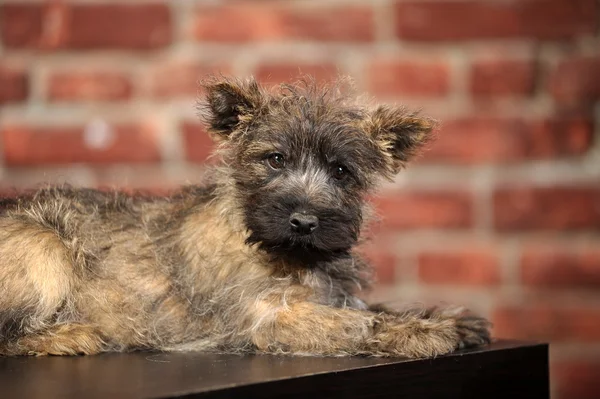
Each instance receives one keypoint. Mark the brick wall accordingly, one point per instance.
(502, 214)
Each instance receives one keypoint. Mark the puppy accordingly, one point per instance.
(259, 260)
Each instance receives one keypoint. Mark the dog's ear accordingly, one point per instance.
(399, 134)
(229, 102)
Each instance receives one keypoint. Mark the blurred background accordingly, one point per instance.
(502, 214)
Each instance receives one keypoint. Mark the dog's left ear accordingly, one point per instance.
(399, 134)
(230, 102)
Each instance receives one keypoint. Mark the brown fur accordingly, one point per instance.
(84, 271)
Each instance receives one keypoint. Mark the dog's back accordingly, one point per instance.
(81, 265)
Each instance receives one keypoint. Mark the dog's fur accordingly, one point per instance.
(218, 267)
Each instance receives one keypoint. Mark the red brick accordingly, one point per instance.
(14, 85)
(547, 322)
(410, 78)
(501, 140)
(558, 266)
(277, 73)
(27, 146)
(491, 78)
(152, 191)
(383, 262)
(140, 26)
(431, 209)
(255, 23)
(181, 79)
(89, 85)
(8, 192)
(576, 379)
(466, 20)
(576, 80)
(21, 25)
(198, 144)
(553, 208)
(476, 266)
(86, 26)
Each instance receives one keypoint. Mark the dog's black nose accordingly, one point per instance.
(303, 224)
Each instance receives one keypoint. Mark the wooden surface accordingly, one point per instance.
(505, 369)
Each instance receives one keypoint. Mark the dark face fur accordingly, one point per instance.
(302, 161)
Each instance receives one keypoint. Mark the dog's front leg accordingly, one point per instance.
(313, 329)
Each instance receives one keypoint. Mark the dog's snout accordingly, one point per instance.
(303, 224)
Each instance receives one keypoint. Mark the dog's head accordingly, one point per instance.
(303, 159)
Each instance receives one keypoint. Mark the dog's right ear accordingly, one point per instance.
(230, 102)
(399, 134)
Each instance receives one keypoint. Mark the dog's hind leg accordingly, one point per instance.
(60, 339)
(36, 278)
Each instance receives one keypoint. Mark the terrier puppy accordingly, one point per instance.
(260, 260)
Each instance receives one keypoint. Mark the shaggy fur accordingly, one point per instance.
(226, 267)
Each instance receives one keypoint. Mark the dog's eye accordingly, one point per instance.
(276, 161)
(340, 172)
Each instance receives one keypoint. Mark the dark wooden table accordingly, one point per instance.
(506, 369)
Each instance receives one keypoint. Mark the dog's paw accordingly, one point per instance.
(473, 331)
(430, 332)
(416, 338)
